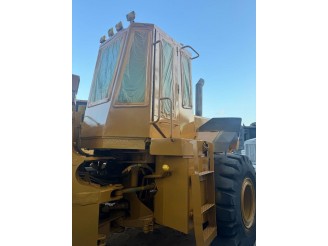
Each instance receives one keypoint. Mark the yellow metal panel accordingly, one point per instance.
(200, 121)
(128, 122)
(85, 225)
(85, 198)
(171, 199)
(189, 130)
(113, 143)
(139, 215)
(164, 146)
(202, 193)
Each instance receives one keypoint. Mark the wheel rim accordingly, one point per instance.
(248, 203)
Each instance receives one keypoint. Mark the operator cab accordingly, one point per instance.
(141, 89)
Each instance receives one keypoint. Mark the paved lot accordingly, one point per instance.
(161, 236)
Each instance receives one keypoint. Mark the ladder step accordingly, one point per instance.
(101, 240)
(209, 234)
(204, 214)
(207, 207)
(205, 173)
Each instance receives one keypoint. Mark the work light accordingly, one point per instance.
(119, 26)
(102, 39)
(111, 32)
(131, 16)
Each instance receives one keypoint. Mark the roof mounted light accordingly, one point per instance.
(119, 26)
(111, 32)
(102, 39)
(131, 16)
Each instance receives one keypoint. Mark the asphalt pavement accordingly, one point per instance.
(161, 236)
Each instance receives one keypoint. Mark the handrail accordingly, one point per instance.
(154, 122)
(171, 113)
(158, 41)
(159, 114)
(159, 90)
(159, 87)
(188, 46)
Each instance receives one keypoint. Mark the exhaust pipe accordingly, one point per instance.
(199, 97)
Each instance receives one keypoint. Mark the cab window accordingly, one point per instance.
(186, 82)
(133, 85)
(167, 78)
(104, 75)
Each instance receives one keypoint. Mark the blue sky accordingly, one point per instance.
(223, 32)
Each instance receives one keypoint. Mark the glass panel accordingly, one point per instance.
(167, 78)
(104, 76)
(186, 93)
(134, 78)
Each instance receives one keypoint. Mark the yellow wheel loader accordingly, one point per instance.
(142, 159)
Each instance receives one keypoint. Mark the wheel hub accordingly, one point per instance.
(248, 203)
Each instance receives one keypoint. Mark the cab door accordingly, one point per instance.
(166, 103)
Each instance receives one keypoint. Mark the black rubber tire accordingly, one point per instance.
(230, 171)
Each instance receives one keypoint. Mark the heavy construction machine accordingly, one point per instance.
(142, 159)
